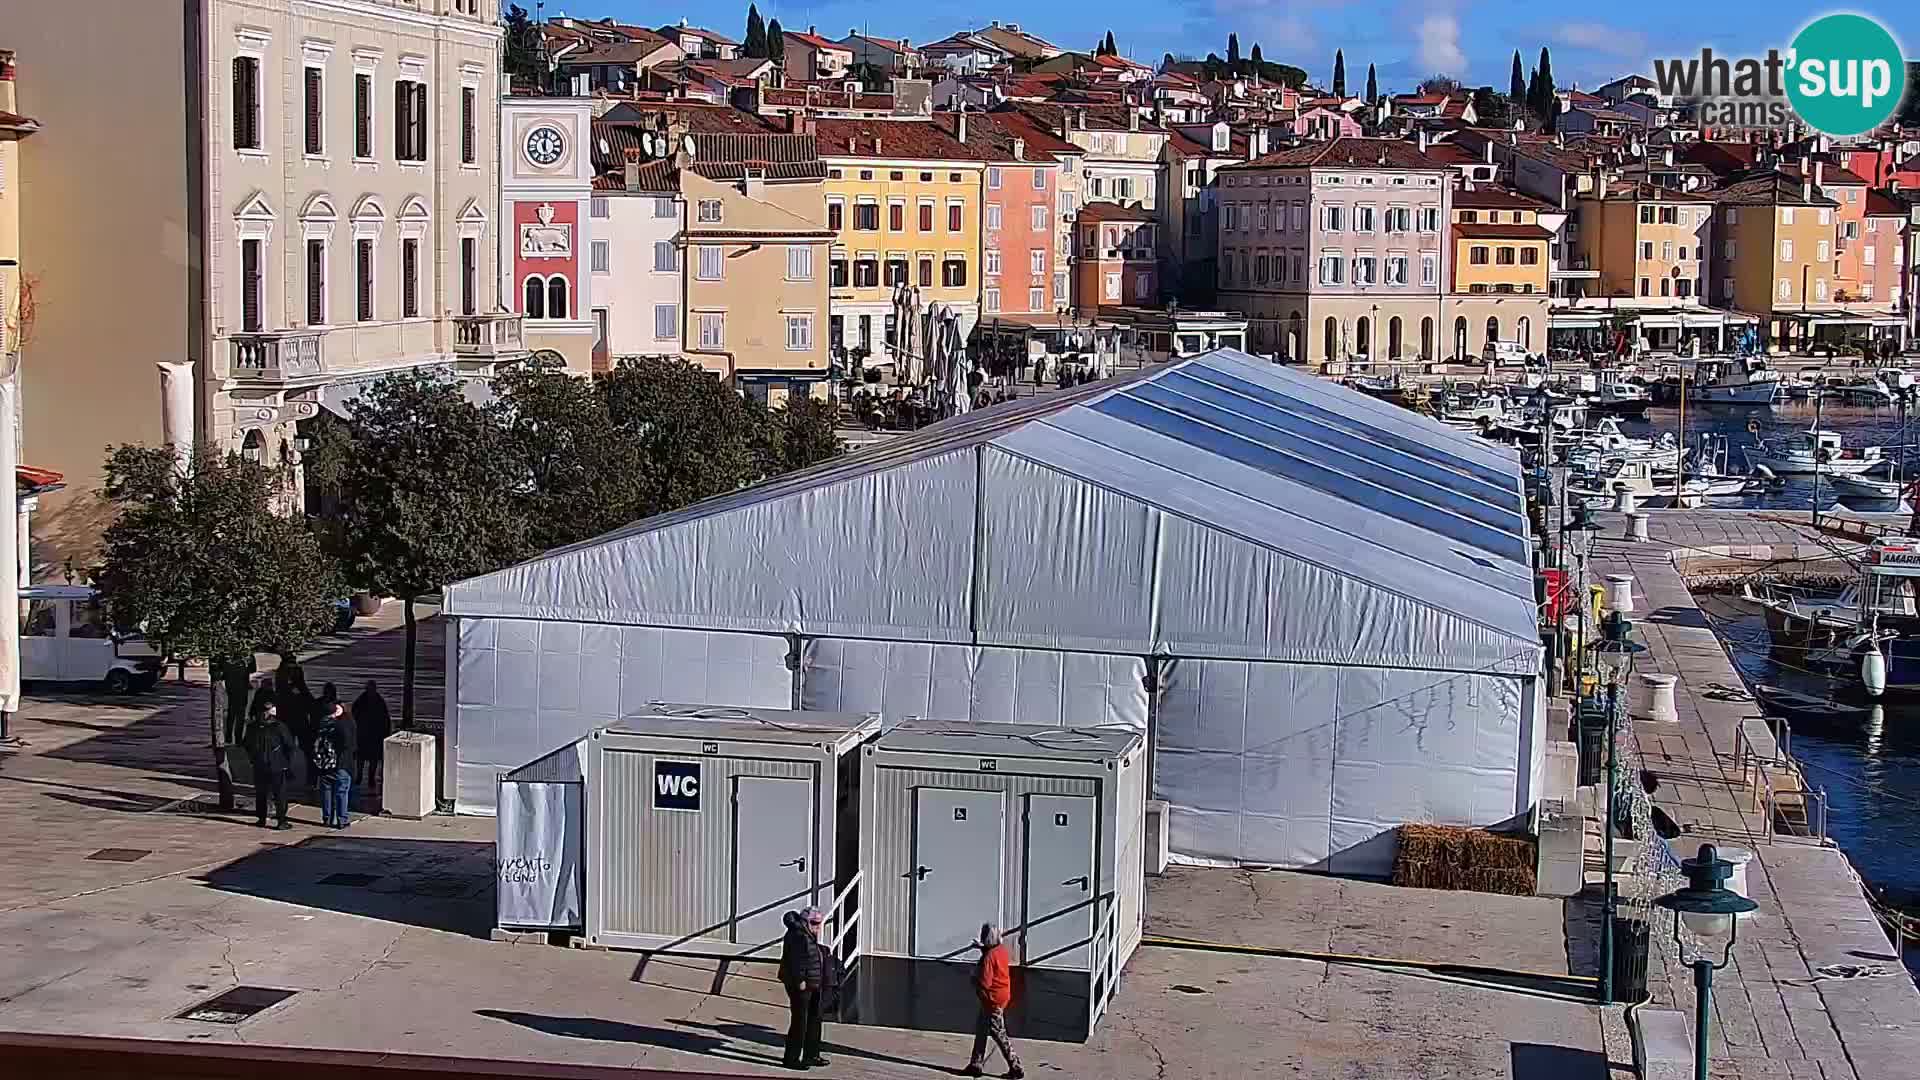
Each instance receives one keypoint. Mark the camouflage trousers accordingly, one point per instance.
(992, 1025)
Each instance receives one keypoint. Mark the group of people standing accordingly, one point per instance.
(336, 743)
(811, 974)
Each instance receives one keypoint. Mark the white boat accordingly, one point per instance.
(1737, 380)
(1870, 392)
(1619, 397)
(1814, 450)
(1862, 486)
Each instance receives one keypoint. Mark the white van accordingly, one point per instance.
(1506, 354)
(64, 637)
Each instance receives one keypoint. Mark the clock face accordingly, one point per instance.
(544, 145)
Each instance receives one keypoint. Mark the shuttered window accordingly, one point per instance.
(315, 91)
(466, 124)
(316, 283)
(469, 249)
(250, 286)
(363, 279)
(410, 120)
(363, 116)
(409, 278)
(246, 103)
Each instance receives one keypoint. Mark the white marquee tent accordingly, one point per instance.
(1319, 604)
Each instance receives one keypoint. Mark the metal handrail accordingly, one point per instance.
(844, 922)
(1105, 959)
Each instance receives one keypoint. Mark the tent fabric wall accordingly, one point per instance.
(1305, 765)
(525, 687)
(968, 684)
(1343, 589)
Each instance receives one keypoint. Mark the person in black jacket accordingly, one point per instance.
(800, 973)
(374, 724)
(270, 748)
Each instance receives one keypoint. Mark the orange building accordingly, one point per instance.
(1115, 264)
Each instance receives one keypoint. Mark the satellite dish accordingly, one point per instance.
(646, 143)
(604, 148)
(686, 143)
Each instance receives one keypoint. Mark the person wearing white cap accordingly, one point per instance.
(800, 973)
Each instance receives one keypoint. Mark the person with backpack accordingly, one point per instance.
(333, 743)
(270, 748)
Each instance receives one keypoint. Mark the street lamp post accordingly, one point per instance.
(1613, 654)
(1710, 910)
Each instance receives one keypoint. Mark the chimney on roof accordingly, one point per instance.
(1080, 119)
(1819, 174)
(754, 183)
(1423, 140)
(960, 123)
(630, 171)
(1806, 187)
(812, 31)
(1133, 118)
(996, 24)
(1019, 148)
(1893, 185)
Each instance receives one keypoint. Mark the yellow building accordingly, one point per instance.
(754, 266)
(1648, 242)
(904, 205)
(1499, 264)
(1775, 257)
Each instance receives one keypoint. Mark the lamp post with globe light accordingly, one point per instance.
(1711, 913)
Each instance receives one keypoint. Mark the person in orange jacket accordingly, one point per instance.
(993, 983)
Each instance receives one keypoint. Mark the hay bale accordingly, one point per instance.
(1463, 859)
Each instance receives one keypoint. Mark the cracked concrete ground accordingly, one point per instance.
(382, 931)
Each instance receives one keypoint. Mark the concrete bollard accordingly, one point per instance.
(407, 774)
(1624, 501)
(1739, 857)
(1637, 528)
(1620, 592)
(1656, 698)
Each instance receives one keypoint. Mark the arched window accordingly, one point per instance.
(1333, 340)
(1393, 338)
(1493, 329)
(1460, 338)
(1525, 332)
(1426, 338)
(557, 297)
(1363, 338)
(1296, 339)
(536, 306)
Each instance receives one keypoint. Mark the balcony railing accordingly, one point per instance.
(496, 334)
(277, 355)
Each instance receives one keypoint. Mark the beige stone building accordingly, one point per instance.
(1336, 251)
(307, 204)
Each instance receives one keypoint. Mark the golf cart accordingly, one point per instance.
(65, 637)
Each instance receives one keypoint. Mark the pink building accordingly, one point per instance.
(1320, 122)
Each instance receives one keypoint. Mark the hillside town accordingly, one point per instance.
(563, 548)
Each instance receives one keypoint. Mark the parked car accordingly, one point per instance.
(65, 637)
(1506, 354)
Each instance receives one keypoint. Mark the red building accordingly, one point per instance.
(1114, 265)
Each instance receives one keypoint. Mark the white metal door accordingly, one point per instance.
(772, 854)
(958, 871)
(1059, 895)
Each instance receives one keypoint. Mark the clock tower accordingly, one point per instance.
(546, 187)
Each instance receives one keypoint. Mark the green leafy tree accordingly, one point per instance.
(1339, 73)
(1233, 53)
(201, 563)
(1373, 86)
(579, 475)
(776, 42)
(520, 56)
(756, 43)
(431, 494)
(698, 437)
(800, 433)
(1517, 91)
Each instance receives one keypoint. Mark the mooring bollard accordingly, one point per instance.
(1620, 592)
(1624, 501)
(1656, 698)
(1637, 527)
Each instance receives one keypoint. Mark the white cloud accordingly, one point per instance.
(1601, 38)
(1440, 51)
(1282, 29)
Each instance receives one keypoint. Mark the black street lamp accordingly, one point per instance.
(1711, 911)
(1613, 654)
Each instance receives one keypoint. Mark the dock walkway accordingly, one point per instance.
(1781, 1010)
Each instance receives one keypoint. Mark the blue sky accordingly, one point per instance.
(1472, 40)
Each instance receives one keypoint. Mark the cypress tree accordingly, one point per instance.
(776, 42)
(756, 43)
(1233, 52)
(1255, 57)
(1339, 73)
(1517, 93)
(1373, 87)
(1545, 106)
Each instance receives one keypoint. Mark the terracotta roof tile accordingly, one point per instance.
(1106, 211)
(1376, 153)
(1503, 231)
(1496, 197)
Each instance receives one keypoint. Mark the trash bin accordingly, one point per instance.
(1592, 742)
(1630, 950)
